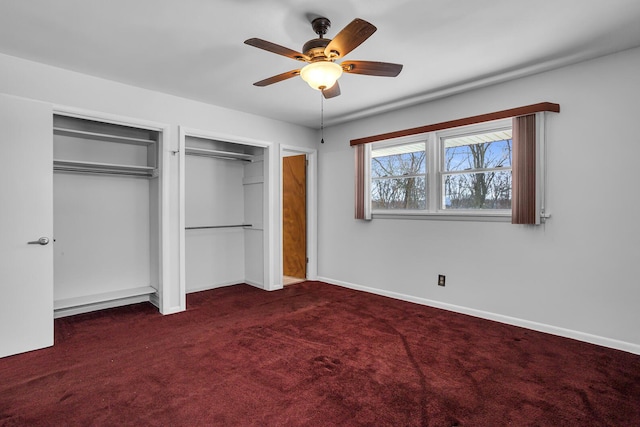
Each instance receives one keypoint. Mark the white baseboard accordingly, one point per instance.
(155, 300)
(540, 327)
(172, 310)
(210, 286)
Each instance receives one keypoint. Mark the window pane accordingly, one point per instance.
(486, 190)
(399, 160)
(398, 193)
(480, 151)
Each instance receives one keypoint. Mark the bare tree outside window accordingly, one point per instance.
(399, 177)
(477, 175)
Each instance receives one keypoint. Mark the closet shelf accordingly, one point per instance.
(102, 136)
(103, 168)
(205, 152)
(103, 297)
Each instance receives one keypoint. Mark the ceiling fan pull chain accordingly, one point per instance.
(321, 118)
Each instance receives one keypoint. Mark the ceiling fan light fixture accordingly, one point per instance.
(321, 75)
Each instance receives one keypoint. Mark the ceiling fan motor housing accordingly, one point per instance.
(314, 48)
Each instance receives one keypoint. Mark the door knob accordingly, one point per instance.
(41, 241)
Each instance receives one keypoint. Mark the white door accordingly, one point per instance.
(26, 215)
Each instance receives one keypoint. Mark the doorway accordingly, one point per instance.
(310, 209)
(294, 218)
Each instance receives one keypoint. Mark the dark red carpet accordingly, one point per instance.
(313, 355)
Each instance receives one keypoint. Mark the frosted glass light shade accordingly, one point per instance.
(321, 75)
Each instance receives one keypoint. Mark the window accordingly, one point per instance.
(454, 171)
(476, 171)
(489, 165)
(399, 176)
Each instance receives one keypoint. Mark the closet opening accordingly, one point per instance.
(106, 193)
(224, 215)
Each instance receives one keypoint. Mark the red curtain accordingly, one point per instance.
(523, 162)
(360, 184)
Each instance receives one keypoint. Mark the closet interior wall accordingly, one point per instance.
(224, 198)
(106, 215)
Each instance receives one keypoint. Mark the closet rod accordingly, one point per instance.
(218, 226)
(228, 155)
(104, 172)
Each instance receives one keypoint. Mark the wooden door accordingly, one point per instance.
(26, 215)
(294, 216)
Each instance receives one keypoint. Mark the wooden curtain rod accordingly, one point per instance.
(513, 112)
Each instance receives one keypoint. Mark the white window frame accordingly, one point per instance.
(435, 170)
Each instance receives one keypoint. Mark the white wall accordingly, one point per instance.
(578, 275)
(254, 206)
(69, 89)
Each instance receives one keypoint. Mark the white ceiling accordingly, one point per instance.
(195, 49)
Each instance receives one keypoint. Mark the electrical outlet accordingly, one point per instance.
(441, 278)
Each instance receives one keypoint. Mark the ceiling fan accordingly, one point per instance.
(321, 71)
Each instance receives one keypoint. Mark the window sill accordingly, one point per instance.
(503, 216)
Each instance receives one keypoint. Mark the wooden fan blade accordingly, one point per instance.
(276, 48)
(332, 92)
(349, 38)
(372, 68)
(278, 78)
